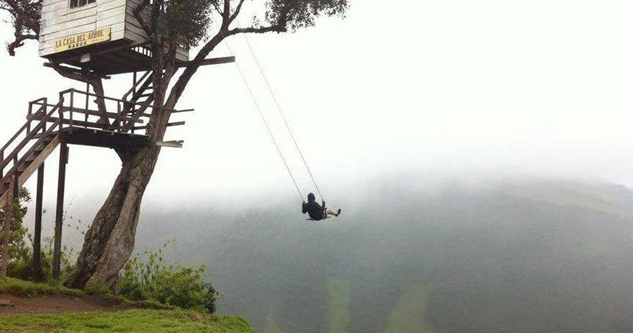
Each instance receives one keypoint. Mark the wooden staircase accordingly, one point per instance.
(39, 140)
(76, 120)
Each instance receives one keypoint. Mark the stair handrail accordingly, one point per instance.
(136, 84)
(15, 136)
(43, 137)
(30, 136)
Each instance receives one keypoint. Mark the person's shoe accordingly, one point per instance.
(339, 212)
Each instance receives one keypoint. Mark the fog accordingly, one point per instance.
(539, 87)
(481, 152)
(513, 255)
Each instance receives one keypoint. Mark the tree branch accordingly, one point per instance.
(227, 12)
(95, 81)
(237, 12)
(26, 21)
(137, 14)
(258, 30)
(19, 42)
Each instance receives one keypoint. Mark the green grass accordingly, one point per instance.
(21, 288)
(137, 321)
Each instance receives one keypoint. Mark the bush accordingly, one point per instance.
(18, 249)
(21, 246)
(97, 288)
(147, 277)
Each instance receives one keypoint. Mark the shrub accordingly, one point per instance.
(21, 246)
(97, 288)
(18, 249)
(148, 277)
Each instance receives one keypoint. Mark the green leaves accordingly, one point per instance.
(185, 21)
(296, 14)
(148, 277)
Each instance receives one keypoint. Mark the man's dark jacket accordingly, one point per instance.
(314, 210)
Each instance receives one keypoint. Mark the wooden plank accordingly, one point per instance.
(59, 216)
(170, 144)
(6, 234)
(37, 234)
(80, 123)
(110, 115)
(33, 166)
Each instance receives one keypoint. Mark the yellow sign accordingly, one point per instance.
(83, 40)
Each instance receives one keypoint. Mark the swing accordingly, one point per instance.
(270, 133)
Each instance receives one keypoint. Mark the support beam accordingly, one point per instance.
(37, 235)
(207, 62)
(5, 235)
(59, 216)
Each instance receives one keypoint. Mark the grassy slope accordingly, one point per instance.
(408, 316)
(29, 289)
(167, 319)
(124, 321)
(22, 288)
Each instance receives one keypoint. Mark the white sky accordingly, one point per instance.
(400, 86)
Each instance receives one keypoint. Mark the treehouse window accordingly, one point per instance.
(80, 3)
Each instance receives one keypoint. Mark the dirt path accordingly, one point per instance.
(58, 304)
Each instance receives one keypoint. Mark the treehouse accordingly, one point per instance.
(102, 35)
(87, 37)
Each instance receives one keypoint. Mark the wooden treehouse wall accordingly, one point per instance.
(59, 20)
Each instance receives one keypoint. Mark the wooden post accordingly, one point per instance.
(37, 236)
(6, 233)
(59, 216)
(16, 186)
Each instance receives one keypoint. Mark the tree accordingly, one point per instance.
(110, 240)
(18, 249)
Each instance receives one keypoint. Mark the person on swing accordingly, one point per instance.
(316, 211)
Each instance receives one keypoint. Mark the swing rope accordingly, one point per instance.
(283, 116)
(261, 115)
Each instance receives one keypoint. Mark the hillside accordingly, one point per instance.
(519, 255)
(31, 307)
(150, 321)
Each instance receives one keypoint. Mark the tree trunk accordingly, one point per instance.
(110, 240)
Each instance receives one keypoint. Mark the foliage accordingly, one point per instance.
(97, 288)
(185, 21)
(298, 14)
(29, 289)
(148, 277)
(17, 237)
(25, 18)
(21, 267)
(21, 245)
(151, 321)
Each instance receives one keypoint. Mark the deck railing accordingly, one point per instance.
(75, 110)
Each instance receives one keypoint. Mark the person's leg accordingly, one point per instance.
(332, 212)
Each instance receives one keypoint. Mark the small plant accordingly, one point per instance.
(148, 277)
(18, 249)
(21, 245)
(97, 288)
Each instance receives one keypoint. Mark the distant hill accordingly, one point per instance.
(528, 255)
